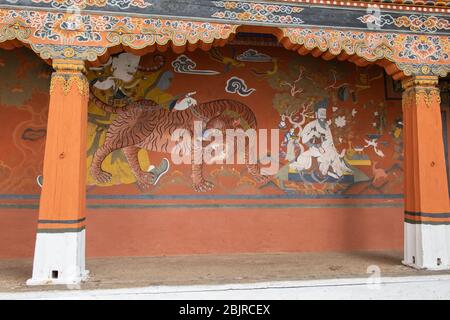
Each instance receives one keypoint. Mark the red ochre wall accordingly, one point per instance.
(180, 232)
(362, 217)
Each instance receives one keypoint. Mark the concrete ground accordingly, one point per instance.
(434, 287)
(248, 269)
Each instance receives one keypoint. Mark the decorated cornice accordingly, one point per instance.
(56, 34)
(419, 5)
(57, 30)
(315, 13)
(408, 5)
(422, 6)
(82, 4)
(419, 23)
(413, 54)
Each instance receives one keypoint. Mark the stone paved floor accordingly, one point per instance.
(130, 272)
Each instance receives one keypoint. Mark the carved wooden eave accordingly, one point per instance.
(406, 40)
(416, 5)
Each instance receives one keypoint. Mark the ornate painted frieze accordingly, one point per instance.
(424, 69)
(422, 48)
(255, 12)
(51, 51)
(407, 5)
(14, 30)
(412, 22)
(82, 4)
(64, 29)
(250, 11)
(413, 54)
(86, 36)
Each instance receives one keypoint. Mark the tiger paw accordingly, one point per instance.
(261, 180)
(203, 186)
(103, 177)
(145, 180)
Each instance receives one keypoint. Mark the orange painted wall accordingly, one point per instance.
(144, 223)
(201, 231)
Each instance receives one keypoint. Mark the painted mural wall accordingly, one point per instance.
(333, 129)
(332, 177)
(24, 98)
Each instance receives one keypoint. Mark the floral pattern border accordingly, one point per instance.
(250, 11)
(64, 35)
(412, 22)
(413, 54)
(82, 4)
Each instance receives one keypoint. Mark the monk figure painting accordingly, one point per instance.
(318, 137)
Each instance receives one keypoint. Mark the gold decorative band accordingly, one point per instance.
(420, 81)
(66, 81)
(69, 72)
(69, 65)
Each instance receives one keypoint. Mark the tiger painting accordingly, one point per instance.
(144, 124)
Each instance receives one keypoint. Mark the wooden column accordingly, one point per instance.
(60, 242)
(427, 214)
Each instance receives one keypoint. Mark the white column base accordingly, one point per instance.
(427, 246)
(59, 258)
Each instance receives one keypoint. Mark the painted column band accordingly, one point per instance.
(62, 221)
(427, 218)
(60, 230)
(60, 226)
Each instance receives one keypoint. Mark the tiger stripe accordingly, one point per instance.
(144, 124)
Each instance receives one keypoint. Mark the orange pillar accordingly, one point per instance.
(60, 242)
(427, 214)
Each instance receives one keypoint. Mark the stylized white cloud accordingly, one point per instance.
(237, 85)
(251, 55)
(184, 64)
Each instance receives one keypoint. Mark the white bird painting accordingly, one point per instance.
(374, 144)
(184, 102)
(379, 152)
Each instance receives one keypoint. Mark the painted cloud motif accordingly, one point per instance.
(184, 64)
(251, 55)
(237, 85)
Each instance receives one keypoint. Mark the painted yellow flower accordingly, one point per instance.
(430, 23)
(101, 3)
(402, 21)
(244, 16)
(259, 17)
(229, 5)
